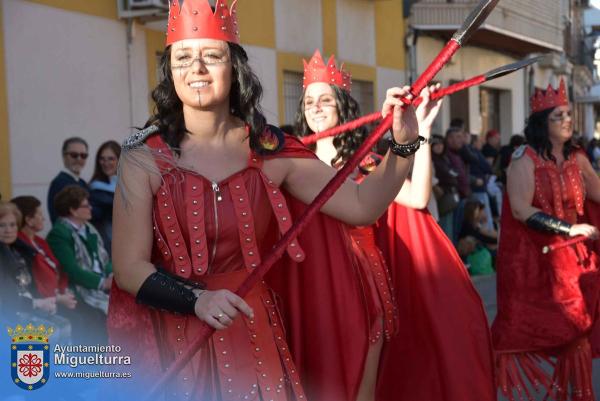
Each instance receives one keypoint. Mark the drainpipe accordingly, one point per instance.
(411, 39)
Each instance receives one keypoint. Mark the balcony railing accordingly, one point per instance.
(517, 26)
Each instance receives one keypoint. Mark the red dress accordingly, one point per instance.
(215, 233)
(547, 303)
(443, 348)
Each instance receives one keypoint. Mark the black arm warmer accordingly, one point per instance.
(194, 284)
(162, 291)
(544, 222)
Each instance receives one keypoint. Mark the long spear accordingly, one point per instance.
(473, 21)
(459, 86)
(565, 244)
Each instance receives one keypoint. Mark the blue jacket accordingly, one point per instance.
(58, 183)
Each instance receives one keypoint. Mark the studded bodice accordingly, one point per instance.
(203, 227)
(559, 192)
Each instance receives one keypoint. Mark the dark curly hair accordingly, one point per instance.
(348, 110)
(70, 197)
(538, 136)
(244, 100)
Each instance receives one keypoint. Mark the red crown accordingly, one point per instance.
(316, 71)
(550, 98)
(194, 19)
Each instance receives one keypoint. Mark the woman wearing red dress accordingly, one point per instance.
(204, 192)
(548, 302)
(48, 276)
(400, 368)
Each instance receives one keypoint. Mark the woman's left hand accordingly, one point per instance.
(428, 110)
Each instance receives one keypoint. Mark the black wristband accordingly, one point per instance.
(405, 150)
(194, 284)
(544, 222)
(161, 291)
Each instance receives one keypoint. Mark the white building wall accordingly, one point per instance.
(387, 78)
(264, 64)
(66, 75)
(298, 26)
(356, 31)
(470, 62)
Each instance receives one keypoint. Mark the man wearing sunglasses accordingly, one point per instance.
(74, 153)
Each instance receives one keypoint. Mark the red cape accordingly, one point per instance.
(443, 351)
(321, 302)
(592, 212)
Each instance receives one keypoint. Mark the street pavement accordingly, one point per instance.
(486, 285)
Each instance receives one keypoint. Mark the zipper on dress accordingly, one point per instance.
(216, 198)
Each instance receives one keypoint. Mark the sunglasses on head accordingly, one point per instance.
(77, 155)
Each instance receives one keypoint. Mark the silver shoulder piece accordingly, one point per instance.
(137, 139)
(519, 152)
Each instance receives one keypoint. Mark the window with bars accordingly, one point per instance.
(362, 92)
(292, 92)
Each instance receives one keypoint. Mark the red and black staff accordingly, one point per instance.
(473, 21)
(457, 87)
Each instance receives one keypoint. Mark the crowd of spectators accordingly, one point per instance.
(62, 280)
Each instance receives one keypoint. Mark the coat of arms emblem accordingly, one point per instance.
(30, 356)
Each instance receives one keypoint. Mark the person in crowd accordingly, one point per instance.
(20, 302)
(74, 154)
(506, 152)
(477, 258)
(80, 251)
(202, 185)
(548, 301)
(102, 189)
(18, 293)
(491, 149)
(593, 152)
(475, 225)
(446, 190)
(326, 103)
(49, 278)
(480, 172)
(454, 143)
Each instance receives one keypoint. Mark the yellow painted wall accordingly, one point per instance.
(389, 34)
(155, 44)
(367, 73)
(329, 11)
(286, 62)
(98, 8)
(256, 19)
(5, 174)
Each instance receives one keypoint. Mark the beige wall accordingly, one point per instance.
(66, 75)
(467, 63)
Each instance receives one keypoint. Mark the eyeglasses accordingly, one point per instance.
(208, 60)
(107, 159)
(85, 206)
(77, 155)
(560, 117)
